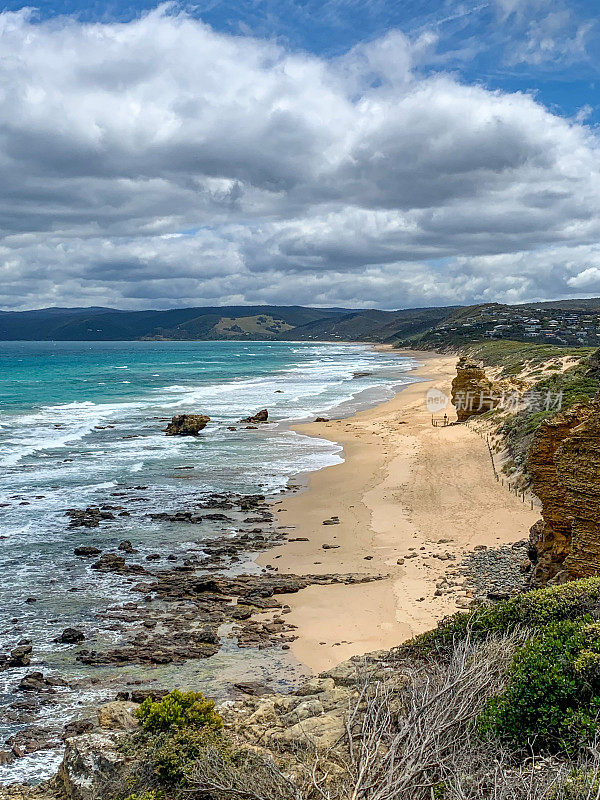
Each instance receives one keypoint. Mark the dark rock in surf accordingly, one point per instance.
(261, 416)
(70, 636)
(187, 424)
(86, 551)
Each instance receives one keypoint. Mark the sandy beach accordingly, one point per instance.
(403, 487)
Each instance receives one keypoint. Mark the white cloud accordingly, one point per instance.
(160, 163)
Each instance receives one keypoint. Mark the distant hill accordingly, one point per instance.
(216, 322)
(561, 322)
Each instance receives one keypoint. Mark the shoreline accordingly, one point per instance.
(405, 491)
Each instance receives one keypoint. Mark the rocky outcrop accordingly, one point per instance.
(19, 656)
(472, 390)
(118, 716)
(564, 464)
(261, 416)
(93, 767)
(550, 538)
(578, 467)
(187, 424)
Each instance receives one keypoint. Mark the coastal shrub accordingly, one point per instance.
(173, 754)
(552, 697)
(573, 385)
(151, 795)
(177, 710)
(581, 784)
(530, 611)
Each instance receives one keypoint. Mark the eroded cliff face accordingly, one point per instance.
(564, 464)
(578, 468)
(471, 389)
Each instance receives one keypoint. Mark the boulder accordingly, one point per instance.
(70, 636)
(321, 732)
(261, 416)
(119, 715)
(19, 656)
(110, 562)
(86, 551)
(94, 767)
(38, 682)
(187, 424)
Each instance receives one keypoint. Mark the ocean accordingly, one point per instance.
(81, 422)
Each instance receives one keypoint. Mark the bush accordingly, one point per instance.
(177, 710)
(530, 611)
(552, 698)
(582, 784)
(173, 754)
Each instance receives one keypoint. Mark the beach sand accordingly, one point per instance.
(403, 484)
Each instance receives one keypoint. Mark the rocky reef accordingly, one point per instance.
(471, 389)
(187, 424)
(259, 417)
(564, 464)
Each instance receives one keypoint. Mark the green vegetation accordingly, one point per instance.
(529, 611)
(151, 795)
(177, 730)
(172, 754)
(552, 698)
(177, 710)
(513, 357)
(581, 784)
(573, 385)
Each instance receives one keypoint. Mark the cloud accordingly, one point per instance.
(158, 163)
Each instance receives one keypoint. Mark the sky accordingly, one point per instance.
(355, 153)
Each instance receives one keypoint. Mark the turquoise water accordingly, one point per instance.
(82, 421)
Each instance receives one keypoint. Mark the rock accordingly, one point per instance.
(90, 517)
(564, 464)
(187, 425)
(315, 686)
(119, 715)
(139, 695)
(472, 391)
(252, 688)
(578, 471)
(70, 636)
(126, 547)
(32, 739)
(86, 551)
(261, 416)
(321, 732)
(322, 419)
(93, 767)
(76, 727)
(110, 562)
(37, 682)
(19, 656)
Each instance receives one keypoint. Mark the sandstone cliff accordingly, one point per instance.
(471, 389)
(564, 464)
